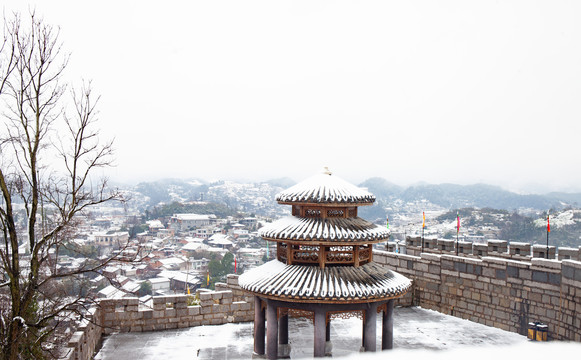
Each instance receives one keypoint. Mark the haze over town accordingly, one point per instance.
(447, 91)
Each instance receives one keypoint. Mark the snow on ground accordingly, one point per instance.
(418, 333)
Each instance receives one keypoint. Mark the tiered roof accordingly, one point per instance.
(312, 283)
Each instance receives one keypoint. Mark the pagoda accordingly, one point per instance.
(323, 269)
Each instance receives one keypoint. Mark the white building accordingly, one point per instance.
(119, 238)
(182, 222)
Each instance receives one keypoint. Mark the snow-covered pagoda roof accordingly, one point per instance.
(324, 230)
(330, 284)
(325, 188)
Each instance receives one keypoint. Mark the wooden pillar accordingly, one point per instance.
(258, 327)
(387, 328)
(271, 330)
(328, 344)
(320, 332)
(283, 346)
(356, 256)
(369, 327)
(289, 253)
(283, 330)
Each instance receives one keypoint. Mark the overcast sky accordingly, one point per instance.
(435, 91)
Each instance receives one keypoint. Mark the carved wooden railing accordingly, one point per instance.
(353, 255)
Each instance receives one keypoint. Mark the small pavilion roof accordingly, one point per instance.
(325, 188)
(324, 229)
(370, 282)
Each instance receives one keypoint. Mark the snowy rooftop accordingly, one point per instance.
(418, 333)
(193, 217)
(325, 188)
(220, 239)
(312, 283)
(324, 229)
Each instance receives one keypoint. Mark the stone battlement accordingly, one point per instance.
(500, 292)
(497, 248)
(225, 305)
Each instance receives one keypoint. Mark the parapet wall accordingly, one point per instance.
(227, 304)
(496, 248)
(503, 293)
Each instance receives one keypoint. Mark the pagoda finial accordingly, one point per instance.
(326, 171)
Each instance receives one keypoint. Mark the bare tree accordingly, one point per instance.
(37, 130)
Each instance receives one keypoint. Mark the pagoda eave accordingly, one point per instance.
(325, 204)
(322, 242)
(297, 299)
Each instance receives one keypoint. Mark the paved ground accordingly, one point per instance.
(414, 328)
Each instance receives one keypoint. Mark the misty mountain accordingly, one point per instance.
(382, 188)
(166, 190)
(284, 182)
(448, 196)
(479, 195)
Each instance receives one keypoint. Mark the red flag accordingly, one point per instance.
(458, 226)
(548, 225)
(234, 264)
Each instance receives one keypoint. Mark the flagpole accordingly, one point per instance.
(423, 226)
(457, 231)
(548, 231)
(422, 239)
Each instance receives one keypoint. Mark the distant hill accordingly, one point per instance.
(284, 183)
(479, 195)
(459, 196)
(382, 188)
(167, 190)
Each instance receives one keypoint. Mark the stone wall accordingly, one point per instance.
(227, 304)
(499, 292)
(86, 338)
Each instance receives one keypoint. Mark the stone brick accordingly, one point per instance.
(568, 272)
(205, 296)
(194, 310)
(433, 269)
(227, 301)
(540, 276)
(525, 274)
(460, 266)
(489, 272)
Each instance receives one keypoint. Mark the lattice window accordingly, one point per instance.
(335, 213)
(353, 212)
(315, 213)
(309, 254)
(341, 248)
(340, 256)
(364, 254)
